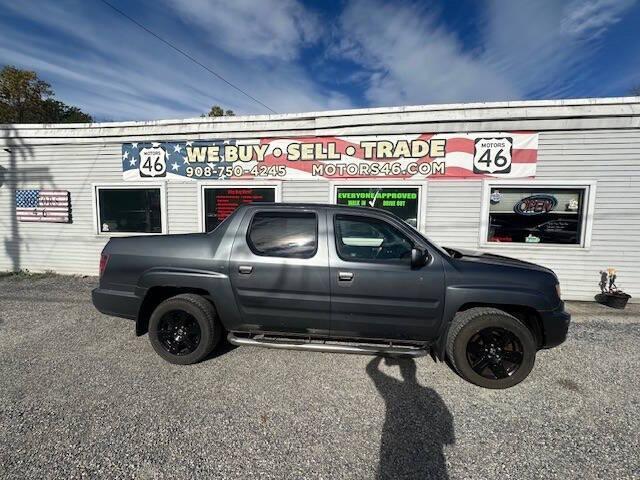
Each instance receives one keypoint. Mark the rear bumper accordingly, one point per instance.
(555, 324)
(116, 303)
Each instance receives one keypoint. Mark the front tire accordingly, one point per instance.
(490, 348)
(184, 329)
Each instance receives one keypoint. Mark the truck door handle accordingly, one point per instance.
(245, 269)
(345, 276)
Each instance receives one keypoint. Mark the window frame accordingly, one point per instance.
(281, 211)
(226, 184)
(589, 195)
(96, 187)
(367, 218)
(419, 184)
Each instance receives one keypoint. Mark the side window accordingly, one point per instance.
(369, 239)
(284, 234)
(129, 210)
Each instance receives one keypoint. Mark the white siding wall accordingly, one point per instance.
(182, 207)
(65, 248)
(453, 212)
(75, 158)
(304, 192)
(612, 158)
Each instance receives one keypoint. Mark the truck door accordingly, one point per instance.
(279, 270)
(375, 293)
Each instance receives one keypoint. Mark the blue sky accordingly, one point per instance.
(298, 55)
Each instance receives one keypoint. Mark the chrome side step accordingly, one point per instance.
(319, 346)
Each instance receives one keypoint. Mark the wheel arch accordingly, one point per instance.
(159, 283)
(155, 296)
(523, 304)
(526, 314)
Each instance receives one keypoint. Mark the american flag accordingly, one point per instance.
(42, 206)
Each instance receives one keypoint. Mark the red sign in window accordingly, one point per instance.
(219, 203)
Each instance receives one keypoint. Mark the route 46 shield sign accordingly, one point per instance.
(492, 155)
(153, 162)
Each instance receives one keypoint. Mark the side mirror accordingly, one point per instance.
(418, 258)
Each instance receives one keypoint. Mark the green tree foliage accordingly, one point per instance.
(217, 111)
(25, 98)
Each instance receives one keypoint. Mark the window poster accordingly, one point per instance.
(219, 203)
(401, 201)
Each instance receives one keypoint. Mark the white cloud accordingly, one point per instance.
(249, 28)
(412, 59)
(592, 17)
(526, 49)
(402, 53)
(114, 70)
(543, 47)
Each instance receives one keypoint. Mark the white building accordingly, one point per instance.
(552, 182)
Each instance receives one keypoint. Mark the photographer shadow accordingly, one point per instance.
(417, 424)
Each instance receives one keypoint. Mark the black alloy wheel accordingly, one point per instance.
(494, 353)
(179, 332)
(490, 347)
(184, 329)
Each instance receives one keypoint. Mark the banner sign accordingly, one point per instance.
(51, 206)
(416, 157)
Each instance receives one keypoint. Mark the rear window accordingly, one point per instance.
(284, 234)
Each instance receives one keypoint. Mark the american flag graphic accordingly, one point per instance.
(472, 156)
(51, 206)
(175, 159)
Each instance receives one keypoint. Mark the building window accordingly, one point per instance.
(365, 239)
(284, 234)
(129, 210)
(537, 215)
(220, 202)
(401, 201)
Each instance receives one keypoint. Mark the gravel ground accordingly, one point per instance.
(81, 396)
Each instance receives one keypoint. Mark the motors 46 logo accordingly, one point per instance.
(153, 162)
(492, 155)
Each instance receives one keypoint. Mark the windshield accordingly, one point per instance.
(442, 250)
(421, 235)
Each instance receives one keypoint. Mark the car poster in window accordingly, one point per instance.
(471, 156)
(535, 215)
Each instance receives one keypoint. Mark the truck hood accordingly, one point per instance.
(464, 255)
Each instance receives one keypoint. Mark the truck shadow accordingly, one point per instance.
(222, 349)
(417, 424)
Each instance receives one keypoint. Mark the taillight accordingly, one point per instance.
(104, 258)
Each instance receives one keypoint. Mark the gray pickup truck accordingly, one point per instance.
(333, 279)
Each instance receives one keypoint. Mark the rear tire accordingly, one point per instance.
(490, 348)
(184, 329)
